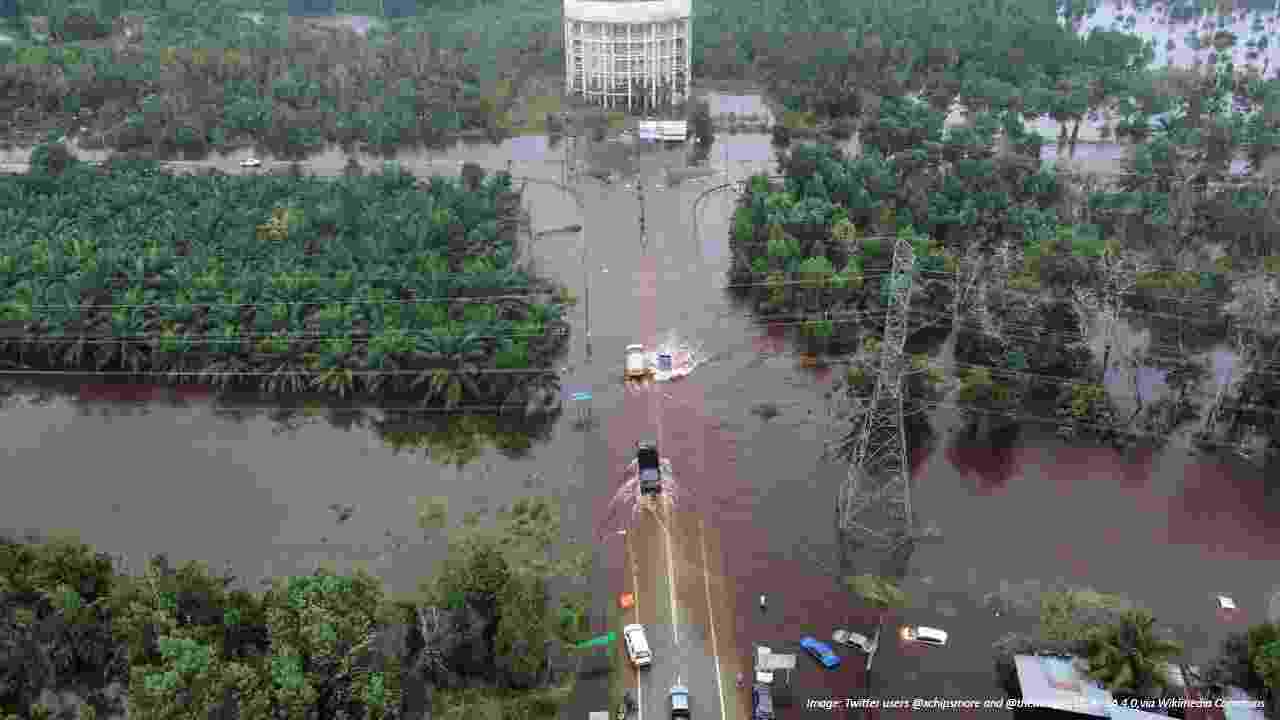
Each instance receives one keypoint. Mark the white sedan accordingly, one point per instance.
(925, 635)
(250, 162)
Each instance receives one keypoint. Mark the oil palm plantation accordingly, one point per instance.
(1129, 656)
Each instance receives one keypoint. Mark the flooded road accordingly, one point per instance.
(1169, 529)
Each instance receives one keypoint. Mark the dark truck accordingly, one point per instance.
(649, 468)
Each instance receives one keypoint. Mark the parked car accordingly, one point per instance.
(679, 701)
(925, 635)
(637, 646)
(250, 162)
(820, 652)
(761, 702)
(848, 638)
(637, 366)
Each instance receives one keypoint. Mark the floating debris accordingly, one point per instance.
(766, 410)
(344, 512)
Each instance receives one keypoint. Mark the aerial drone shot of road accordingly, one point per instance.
(637, 359)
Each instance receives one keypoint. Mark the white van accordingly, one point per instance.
(637, 645)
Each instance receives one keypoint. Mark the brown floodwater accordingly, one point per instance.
(137, 475)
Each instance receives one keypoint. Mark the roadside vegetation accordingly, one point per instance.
(1124, 649)
(355, 286)
(181, 641)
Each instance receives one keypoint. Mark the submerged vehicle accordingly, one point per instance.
(925, 635)
(848, 638)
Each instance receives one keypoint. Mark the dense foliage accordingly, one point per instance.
(194, 80)
(325, 645)
(1118, 645)
(1250, 660)
(1123, 648)
(353, 285)
(1029, 261)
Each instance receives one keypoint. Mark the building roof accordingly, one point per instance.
(1056, 683)
(1239, 706)
(627, 11)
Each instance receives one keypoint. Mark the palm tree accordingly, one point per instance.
(1129, 656)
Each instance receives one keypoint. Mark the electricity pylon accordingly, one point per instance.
(875, 500)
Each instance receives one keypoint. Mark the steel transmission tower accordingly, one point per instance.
(875, 501)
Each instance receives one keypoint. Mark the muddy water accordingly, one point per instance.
(1168, 529)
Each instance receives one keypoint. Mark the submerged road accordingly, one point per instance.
(685, 603)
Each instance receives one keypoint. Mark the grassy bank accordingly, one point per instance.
(489, 704)
(372, 285)
(617, 659)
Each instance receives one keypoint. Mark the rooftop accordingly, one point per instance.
(1059, 683)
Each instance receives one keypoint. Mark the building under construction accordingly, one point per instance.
(631, 54)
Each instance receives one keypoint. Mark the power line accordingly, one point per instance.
(792, 319)
(212, 338)
(352, 301)
(441, 300)
(275, 373)
(1025, 331)
(1026, 417)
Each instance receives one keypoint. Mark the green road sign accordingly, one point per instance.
(608, 638)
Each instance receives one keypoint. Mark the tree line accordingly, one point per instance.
(183, 641)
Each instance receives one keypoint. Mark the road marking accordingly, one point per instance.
(711, 620)
(635, 605)
(671, 583)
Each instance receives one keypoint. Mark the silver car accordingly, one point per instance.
(848, 638)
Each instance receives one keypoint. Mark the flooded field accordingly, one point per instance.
(144, 472)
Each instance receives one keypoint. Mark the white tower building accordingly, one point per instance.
(627, 53)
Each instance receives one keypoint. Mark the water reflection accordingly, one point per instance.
(447, 439)
(992, 464)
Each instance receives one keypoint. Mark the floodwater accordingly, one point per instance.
(1169, 529)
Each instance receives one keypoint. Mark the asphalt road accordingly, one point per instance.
(684, 603)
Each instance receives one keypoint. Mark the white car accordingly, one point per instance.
(925, 635)
(637, 646)
(250, 162)
(637, 363)
(851, 639)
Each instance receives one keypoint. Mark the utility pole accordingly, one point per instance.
(874, 507)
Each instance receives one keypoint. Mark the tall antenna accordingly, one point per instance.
(875, 501)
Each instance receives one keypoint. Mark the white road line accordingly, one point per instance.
(671, 584)
(711, 620)
(635, 605)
